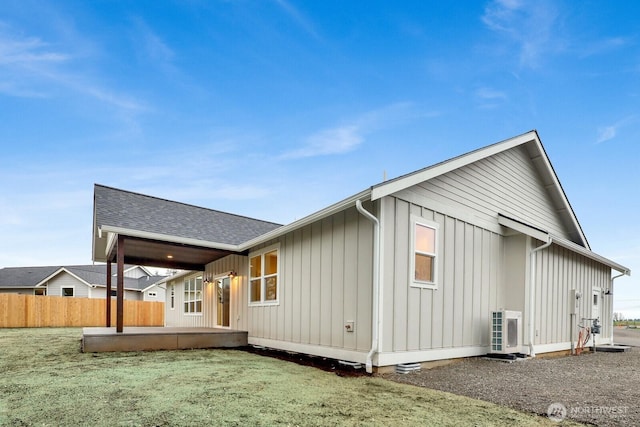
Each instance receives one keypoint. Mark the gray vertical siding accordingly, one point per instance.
(455, 314)
(325, 281)
(558, 270)
(238, 318)
(55, 285)
(506, 183)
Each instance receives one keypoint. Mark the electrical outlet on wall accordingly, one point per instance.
(349, 326)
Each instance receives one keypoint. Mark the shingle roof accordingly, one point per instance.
(24, 277)
(133, 211)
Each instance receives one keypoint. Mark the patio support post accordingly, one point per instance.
(120, 288)
(108, 324)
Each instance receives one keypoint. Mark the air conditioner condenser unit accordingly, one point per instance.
(506, 331)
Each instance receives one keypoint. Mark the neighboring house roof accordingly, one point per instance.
(25, 277)
(90, 275)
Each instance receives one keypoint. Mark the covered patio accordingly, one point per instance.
(131, 228)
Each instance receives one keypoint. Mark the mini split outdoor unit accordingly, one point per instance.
(505, 331)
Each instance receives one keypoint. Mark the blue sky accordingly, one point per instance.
(275, 109)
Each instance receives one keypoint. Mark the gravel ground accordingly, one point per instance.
(601, 388)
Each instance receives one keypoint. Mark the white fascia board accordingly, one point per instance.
(143, 268)
(560, 190)
(392, 186)
(166, 238)
(523, 228)
(337, 207)
(543, 236)
(590, 254)
(59, 271)
(175, 276)
(149, 287)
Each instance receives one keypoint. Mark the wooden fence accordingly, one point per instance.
(35, 311)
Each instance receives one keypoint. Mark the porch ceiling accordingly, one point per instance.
(154, 253)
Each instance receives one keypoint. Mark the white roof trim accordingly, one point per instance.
(523, 228)
(143, 268)
(336, 207)
(57, 272)
(590, 254)
(414, 178)
(175, 276)
(167, 238)
(544, 236)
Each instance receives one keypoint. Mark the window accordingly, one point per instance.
(263, 276)
(39, 291)
(114, 293)
(424, 259)
(193, 295)
(173, 298)
(67, 292)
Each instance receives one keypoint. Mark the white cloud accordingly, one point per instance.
(489, 93)
(530, 25)
(31, 68)
(336, 140)
(152, 46)
(28, 53)
(607, 133)
(300, 20)
(605, 45)
(349, 136)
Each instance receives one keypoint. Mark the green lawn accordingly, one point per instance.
(46, 381)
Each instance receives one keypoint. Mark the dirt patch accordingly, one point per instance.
(600, 388)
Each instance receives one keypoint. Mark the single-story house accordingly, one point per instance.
(80, 281)
(417, 268)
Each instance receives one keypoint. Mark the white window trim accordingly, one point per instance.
(62, 288)
(418, 220)
(184, 288)
(263, 302)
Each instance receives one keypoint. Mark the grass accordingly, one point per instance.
(46, 381)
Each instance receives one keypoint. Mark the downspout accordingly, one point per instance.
(532, 294)
(376, 284)
(624, 273)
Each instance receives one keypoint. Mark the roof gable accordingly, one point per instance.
(552, 206)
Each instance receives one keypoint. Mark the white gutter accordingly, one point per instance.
(532, 294)
(625, 273)
(376, 284)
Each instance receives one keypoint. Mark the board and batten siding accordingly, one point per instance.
(469, 273)
(558, 270)
(177, 316)
(325, 281)
(506, 183)
(64, 280)
(208, 318)
(102, 292)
